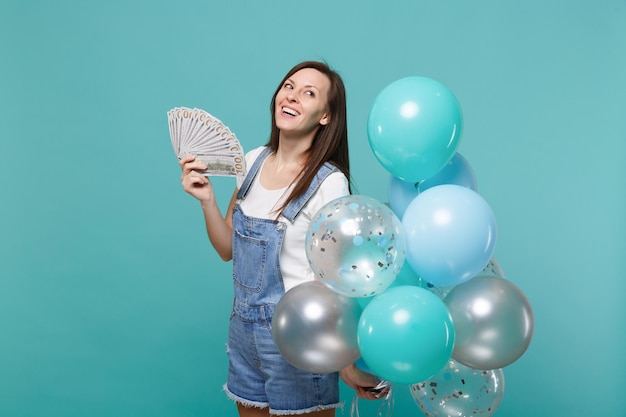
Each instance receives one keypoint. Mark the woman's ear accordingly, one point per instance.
(325, 119)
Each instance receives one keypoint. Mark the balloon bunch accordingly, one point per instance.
(438, 313)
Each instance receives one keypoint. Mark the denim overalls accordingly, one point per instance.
(258, 374)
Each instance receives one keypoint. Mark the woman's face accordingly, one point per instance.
(302, 102)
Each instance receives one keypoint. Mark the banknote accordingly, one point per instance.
(194, 131)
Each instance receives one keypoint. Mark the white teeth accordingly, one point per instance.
(290, 112)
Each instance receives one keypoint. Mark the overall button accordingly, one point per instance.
(280, 226)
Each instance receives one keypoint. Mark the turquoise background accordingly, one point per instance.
(112, 301)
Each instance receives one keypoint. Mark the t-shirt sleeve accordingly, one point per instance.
(332, 188)
(252, 155)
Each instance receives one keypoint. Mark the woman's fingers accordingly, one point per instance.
(189, 164)
(193, 178)
(186, 158)
(366, 394)
(193, 167)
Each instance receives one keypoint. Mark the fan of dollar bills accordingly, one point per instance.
(196, 132)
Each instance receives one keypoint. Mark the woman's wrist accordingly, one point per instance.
(208, 203)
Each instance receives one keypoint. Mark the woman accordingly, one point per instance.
(303, 166)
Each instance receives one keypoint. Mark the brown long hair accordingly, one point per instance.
(330, 143)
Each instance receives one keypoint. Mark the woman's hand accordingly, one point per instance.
(193, 182)
(362, 382)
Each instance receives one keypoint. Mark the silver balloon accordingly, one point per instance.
(315, 328)
(493, 269)
(460, 391)
(356, 245)
(494, 322)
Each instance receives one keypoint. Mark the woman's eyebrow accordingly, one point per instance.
(289, 80)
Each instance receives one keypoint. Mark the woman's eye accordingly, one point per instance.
(289, 86)
(310, 93)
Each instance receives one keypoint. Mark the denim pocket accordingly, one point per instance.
(249, 267)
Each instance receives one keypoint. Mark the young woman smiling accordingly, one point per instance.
(303, 166)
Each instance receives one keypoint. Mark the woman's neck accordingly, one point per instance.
(283, 168)
(292, 150)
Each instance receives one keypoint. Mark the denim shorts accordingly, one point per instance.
(259, 376)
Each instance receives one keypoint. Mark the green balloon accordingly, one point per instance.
(414, 127)
(405, 334)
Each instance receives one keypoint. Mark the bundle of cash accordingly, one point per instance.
(196, 132)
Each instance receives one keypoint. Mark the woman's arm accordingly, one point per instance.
(362, 382)
(219, 228)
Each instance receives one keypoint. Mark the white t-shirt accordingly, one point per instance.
(261, 202)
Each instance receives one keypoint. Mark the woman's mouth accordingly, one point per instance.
(289, 111)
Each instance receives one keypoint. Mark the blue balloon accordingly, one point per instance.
(457, 171)
(406, 334)
(400, 194)
(414, 127)
(450, 234)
